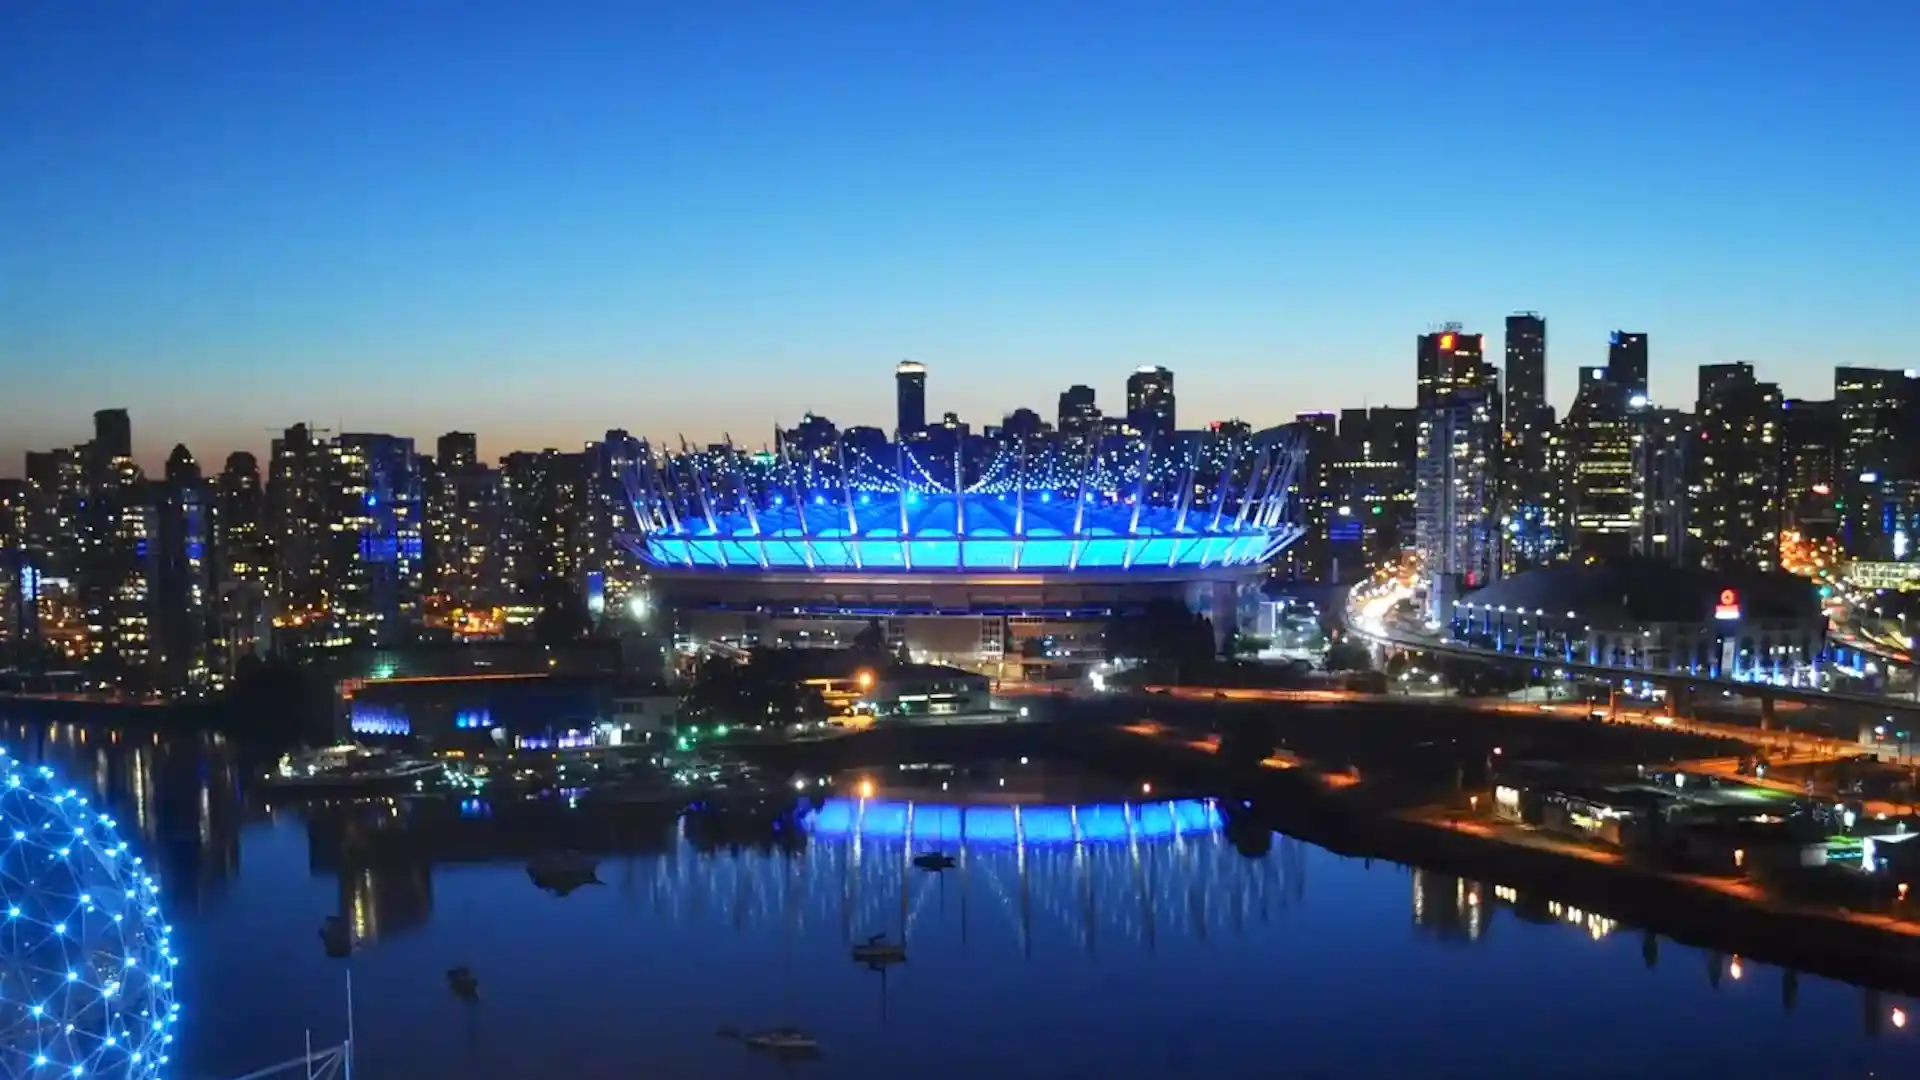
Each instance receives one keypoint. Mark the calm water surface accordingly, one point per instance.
(1160, 956)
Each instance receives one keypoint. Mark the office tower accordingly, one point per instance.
(1150, 404)
(1810, 441)
(1627, 363)
(299, 514)
(1526, 371)
(1879, 414)
(1736, 510)
(457, 450)
(1530, 511)
(1079, 414)
(183, 575)
(1454, 497)
(910, 399)
(113, 434)
(1450, 359)
(243, 565)
(1662, 448)
(376, 565)
(1601, 514)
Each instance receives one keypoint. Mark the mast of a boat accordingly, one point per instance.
(347, 1065)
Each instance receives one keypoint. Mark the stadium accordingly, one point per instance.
(966, 550)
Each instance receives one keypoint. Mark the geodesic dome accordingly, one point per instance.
(86, 971)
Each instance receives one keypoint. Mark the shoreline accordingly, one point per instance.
(1817, 943)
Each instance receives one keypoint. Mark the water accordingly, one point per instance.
(1175, 955)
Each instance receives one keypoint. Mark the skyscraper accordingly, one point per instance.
(1627, 363)
(377, 537)
(1736, 512)
(1079, 414)
(1150, 404)
(1526, 374)
(243, 564)
(1530, 512)
(113, 434)
(183, 592)
(1662, 446)
(1879, 411)
(1810, 440)
(1454, 497)
(298, 515)
(1451, 359)
(910, 398)
(457, 450)
(1602, 515)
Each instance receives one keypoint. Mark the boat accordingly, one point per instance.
(783, 1041)
(337, 937)
(877, 951)
(562, 872)
(349, 766)
(934, 861)
(464, 983)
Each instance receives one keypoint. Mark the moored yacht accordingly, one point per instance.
(349, 766)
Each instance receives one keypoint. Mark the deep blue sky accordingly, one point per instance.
(539, 220)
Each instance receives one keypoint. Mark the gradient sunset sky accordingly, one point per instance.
(540, 220)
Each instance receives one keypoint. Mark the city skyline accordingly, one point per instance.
(705, 224)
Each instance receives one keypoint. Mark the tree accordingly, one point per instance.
(1348, 656)
(871, 638)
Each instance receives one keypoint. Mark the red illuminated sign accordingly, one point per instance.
(1446, 341)
(1729, 605)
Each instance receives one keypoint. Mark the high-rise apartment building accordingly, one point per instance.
(299, 515)
(1662, 448)
(243, 565)
(1810, 442)
(183, 594)
(1627, 363)
(1736, 505)
(1372, 473)
(1079, 414)
(612, 461)
(463, 533)
(113, 434)
(1454, 498)
(1150, 403)
(1879, 411)
(910, 399)
(543, 523)
(375, 571)
(17, 571)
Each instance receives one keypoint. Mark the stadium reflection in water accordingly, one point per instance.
(1068, 942)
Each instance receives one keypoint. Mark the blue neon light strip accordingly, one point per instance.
(1109, 539)
(1100, 823)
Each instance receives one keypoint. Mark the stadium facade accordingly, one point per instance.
(982, 551)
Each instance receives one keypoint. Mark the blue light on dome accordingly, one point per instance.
(1100, 823)
(86, 964)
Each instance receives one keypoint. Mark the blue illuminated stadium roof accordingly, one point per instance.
(1006, 512)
